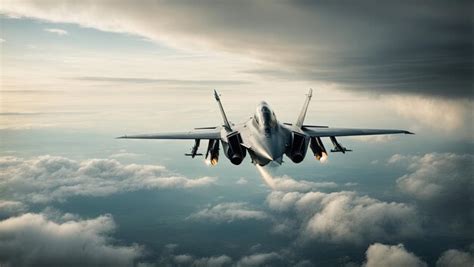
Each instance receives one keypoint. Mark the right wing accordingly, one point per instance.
(206, 133)
(328, 132)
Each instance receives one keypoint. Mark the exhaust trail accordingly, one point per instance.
(266, 176)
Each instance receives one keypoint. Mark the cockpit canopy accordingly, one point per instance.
(264, 117)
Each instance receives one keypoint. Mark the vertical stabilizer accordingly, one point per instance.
(300, 120)
(224, 117)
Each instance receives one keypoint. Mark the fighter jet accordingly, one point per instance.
(264, 138)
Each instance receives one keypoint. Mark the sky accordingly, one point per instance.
(75, 75)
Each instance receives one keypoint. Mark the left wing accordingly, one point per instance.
(206, 133)
(328, 132)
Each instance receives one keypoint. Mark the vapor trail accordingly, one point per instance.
(266, 176)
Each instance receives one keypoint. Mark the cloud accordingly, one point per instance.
(262, 259)
(59, 32)
(9, 208)
(397, 158)
(213, 261)
(2, 41)
(398, 47)
(280, 258)
(48, 178)
(242, 181)
(385, 255)
(391, 256)
(439, 176)
(222, 260)
(256, 259)
(455, 258)
(374, 138)
(34, 239)
(442, 185)
(287, 183)
(228, 212)
(441, 114)
(343, 217)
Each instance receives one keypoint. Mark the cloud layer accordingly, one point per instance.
(442, 185)
(47, 178)
(343, 217)
(34, 239)
(228, 212)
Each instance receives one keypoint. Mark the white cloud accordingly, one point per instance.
(215, 261)
(2, 40)
(9, 208)
(439, 176)
(256, 259)
(242, 181)
(344, 216)
(442, 186)
(229, 212)
(48, 178)
(455, 258)
(391, 256)
(34, 239)
(59, 32)
(397, 158)
(183, 259)
(374, 138)
(440, 114)
(272, 258)
(261, 259)
(287, 183)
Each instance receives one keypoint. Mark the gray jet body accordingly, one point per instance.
(264, 138)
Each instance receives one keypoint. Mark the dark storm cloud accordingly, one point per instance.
(422, 47)
(407, 47)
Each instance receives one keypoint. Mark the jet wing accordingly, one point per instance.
(194, 134)
(327, 132)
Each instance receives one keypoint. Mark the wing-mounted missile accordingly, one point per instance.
(194, 149)
(318, 148)
(337, 146)
(212, 154)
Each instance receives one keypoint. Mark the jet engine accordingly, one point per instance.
(298, 147)
(318, 148)
(235, 151)
(212, 154)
